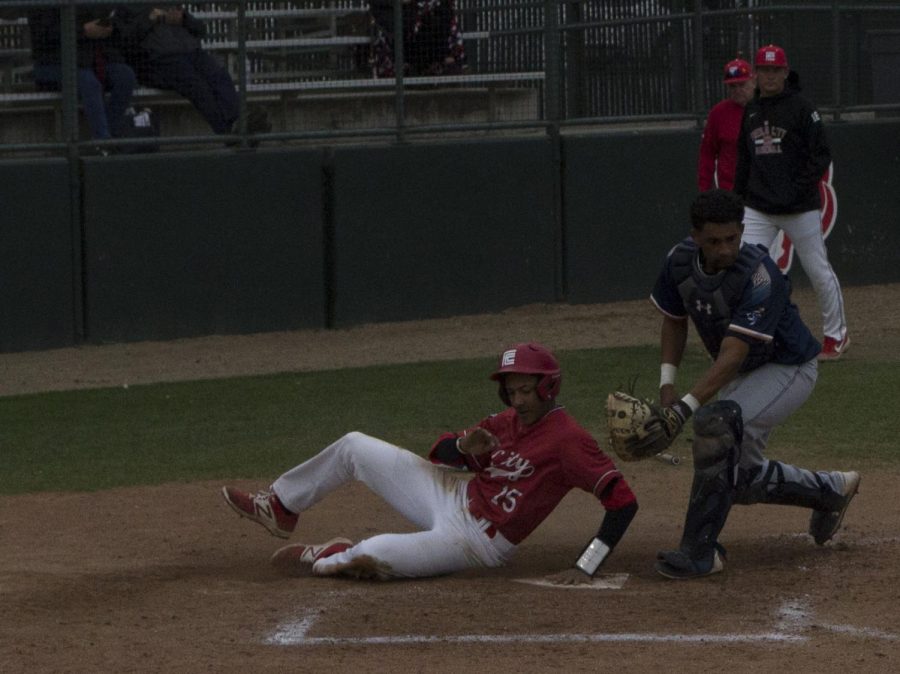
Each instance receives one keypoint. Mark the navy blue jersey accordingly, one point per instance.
(753, 305)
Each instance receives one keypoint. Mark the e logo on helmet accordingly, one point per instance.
(509, 358)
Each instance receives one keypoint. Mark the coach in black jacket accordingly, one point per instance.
(782, 155)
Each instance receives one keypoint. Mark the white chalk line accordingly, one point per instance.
(607, 581)
(793, 618)
(532, 638)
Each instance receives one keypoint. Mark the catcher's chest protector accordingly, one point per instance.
(709, 299)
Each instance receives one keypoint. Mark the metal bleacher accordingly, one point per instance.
(290, 48)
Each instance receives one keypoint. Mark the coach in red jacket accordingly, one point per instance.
(718, 149)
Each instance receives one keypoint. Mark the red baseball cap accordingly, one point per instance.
(771, 56)
(737, 70)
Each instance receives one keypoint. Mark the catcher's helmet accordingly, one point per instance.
(530, 358)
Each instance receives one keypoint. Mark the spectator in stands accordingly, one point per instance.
(432, 42)
(163, 44)
(101, 68)
(718, 149)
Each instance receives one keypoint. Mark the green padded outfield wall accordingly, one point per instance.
(864, 246)
(443, 229)
(186, 244)
(37, 293)
(627, 196)
(626, 202)
(231, 242)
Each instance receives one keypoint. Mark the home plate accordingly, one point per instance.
(609, 581)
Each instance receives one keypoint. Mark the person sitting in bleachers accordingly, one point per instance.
(163, 44)
(432, 42)
(101, 67)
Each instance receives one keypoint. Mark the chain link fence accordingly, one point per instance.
(241, 73)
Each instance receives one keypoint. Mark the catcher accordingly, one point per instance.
(764, 368)
(524, 460)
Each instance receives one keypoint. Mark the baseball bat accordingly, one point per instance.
(666, 457)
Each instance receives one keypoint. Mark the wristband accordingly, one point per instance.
(592, 557)
(691, 402)
(667, 373)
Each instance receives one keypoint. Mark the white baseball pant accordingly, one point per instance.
(431, 497)
(805, 230)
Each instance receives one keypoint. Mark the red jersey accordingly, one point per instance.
(718, 149)
(519, 484)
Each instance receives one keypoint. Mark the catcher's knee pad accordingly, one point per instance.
(718, 430)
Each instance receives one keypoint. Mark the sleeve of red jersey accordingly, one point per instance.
(588, 468)
(444, 452)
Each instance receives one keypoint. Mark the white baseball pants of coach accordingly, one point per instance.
(805, 230)
(431, 497)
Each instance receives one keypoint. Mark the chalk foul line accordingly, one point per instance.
(793, 618)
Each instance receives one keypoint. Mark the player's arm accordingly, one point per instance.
(742, 166)
(462, 450)
(621, 507)
(672, 340)
(732, 354)
(817, 149)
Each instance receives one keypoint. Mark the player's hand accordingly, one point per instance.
(478, 441)
(569, 577)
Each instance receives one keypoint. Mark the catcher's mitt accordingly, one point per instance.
(639, 429)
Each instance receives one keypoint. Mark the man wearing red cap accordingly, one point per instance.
(782, 154)
(524, 460)
(718, 149)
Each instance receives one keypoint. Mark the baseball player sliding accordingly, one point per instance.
(524, 459)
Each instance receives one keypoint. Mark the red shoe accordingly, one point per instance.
(264, 508)
(297, 559)
(833, 349)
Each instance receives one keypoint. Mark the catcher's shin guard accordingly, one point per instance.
(783, 484)
(718, 430)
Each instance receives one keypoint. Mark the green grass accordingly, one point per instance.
(259, 426)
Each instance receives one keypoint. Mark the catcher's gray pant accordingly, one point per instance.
(768, 396)
(805, 230)
(431, 497)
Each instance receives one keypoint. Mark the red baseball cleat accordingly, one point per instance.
(297, 559)
(264, 508)
(833, 349)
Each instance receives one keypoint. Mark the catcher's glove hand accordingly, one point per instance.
(639, 429)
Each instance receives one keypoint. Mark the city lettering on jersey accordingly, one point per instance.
(513, 467)
(767, 139)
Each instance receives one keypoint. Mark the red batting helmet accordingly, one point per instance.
(737, 70)
(772, 56)
(530, 358)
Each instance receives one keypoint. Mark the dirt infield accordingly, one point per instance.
(167, 578)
